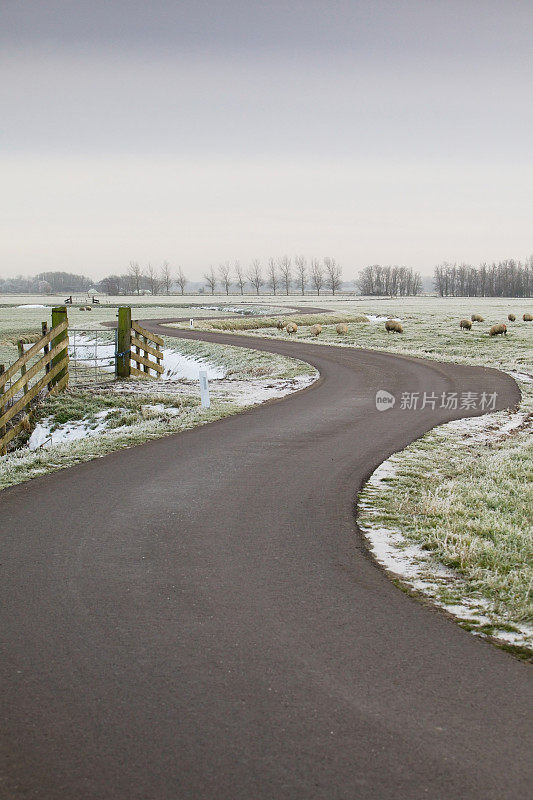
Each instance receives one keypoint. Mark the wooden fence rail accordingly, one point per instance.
(139, 340)
(138, 350)
(53, 362)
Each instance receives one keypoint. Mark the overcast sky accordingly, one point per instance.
(200, 132)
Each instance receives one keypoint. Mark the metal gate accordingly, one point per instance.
(92, 355)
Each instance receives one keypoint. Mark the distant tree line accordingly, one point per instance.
(508, 278)
(46, 283)
(281, 275)
(389, 280)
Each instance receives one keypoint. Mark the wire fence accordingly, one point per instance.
(92, 356)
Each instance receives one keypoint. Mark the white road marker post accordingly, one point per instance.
(204, 389)
(191, 323)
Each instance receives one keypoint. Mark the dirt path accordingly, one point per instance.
(198, 618)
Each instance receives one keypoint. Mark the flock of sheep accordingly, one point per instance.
(393, 326)
(496, 330)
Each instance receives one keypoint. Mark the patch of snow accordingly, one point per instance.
(522, 376)
(43, 435)
(179, 366)
(160, 408)
(489, 427)
(250, 393)
(31, 305)
(98, 350)
(377, 318)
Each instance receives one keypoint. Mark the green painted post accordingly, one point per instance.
(123, 368)
(59, 315)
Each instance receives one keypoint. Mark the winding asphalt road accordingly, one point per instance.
(198, 617)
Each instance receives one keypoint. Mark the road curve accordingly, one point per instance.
(198, 618)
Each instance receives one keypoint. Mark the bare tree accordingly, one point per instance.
(211, 279)
(272, 275)
(284, 265)
(333, 275)
(255, 275)
(153, 282)
(181, 280)
(240, 278)
(165, 277)
(135, 276)
(224, 271)
(301, 271)
(317, 275)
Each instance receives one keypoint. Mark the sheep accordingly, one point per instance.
(465, 324)
(291, 327)
(511, 317)
(316, 330)
(280, 324)
(477, 318)
(342, 329)
(394, 326)
(82, 308)
(496, 330)
(528, 317)
(88, 308)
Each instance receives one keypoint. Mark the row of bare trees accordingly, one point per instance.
(389, 280)
(279, 275)
(507, 278)
(139, 280)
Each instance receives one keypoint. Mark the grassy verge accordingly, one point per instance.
(239, 362)
(461, 497)
(260, 323)
(129, 427)
(110, 416)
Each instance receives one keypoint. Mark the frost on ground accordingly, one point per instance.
(440, 546)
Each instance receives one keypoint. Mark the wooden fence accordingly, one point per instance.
(133, 340)
(53, 362)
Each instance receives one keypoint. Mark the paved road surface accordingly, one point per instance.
(198, 617)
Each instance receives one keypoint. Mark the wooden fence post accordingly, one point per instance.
(123, 366)
(3, 449)
(59, 315)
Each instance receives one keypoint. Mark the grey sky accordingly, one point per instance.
(199, 132)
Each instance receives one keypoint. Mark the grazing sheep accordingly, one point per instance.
(316, 330)
(477, 318)
(292, 327)
(465, 324)
(88, 308)
(280, 324)
(393, 326)
(511, 317)
(82, 308)
(342, 329)
(528, 317)
(498, 329)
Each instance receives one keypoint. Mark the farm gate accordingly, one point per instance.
(79, 355)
